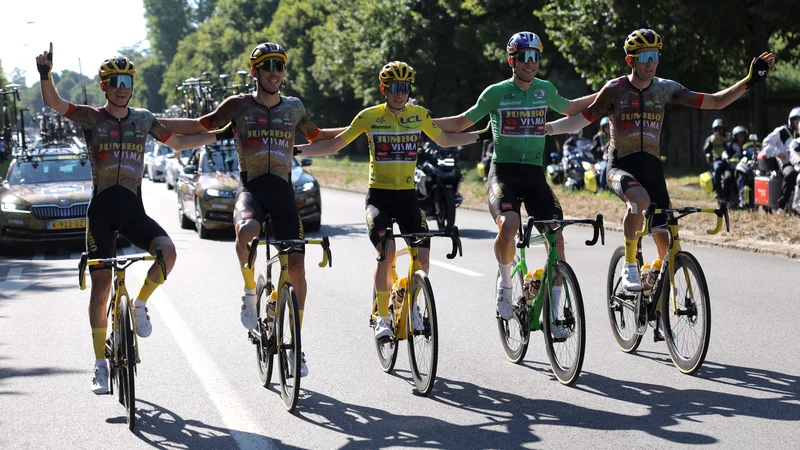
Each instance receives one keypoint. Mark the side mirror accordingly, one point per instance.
(305, 162)
(190, 170)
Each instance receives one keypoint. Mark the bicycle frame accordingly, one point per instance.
(671, 227)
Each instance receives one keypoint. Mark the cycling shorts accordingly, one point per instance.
(383, 205)
(270, 194)
(117, 208)
(640, 169)
(507, 182)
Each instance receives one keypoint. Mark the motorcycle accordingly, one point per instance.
(580, 169)
(746, 172)
(437, 179)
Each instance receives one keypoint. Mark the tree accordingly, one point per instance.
(3, 79)
(18, 76)
(168, 21)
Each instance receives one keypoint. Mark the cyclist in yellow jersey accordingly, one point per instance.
(393, 130)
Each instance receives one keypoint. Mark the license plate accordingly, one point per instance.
(65, 224)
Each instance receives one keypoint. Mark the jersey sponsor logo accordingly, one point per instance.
(539, 93)
(277, 120)
(381, 127)
(129, 134)
(378, 120)
(261, 121)
(635, 103)
(506, 206)
(519, 102)
(113, 132)
(117, 146)
(523, 121)
(637, 116)
(395, 147)
(409, 120)
(269, 133)
(509, 96)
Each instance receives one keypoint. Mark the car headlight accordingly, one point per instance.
(305, 187)
(10, 206)
(219, 193)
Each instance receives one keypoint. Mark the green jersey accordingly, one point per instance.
(518, 118)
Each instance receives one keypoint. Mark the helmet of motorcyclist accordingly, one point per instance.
(795, 114)
(718, 123)
(604, 122)
(739, 130)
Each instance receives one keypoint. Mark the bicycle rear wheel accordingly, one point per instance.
(127, 367)
(423, 334)
(263, 346)
(564, 326)
(687, 327)
(515, 333)
(387, 348)
(620, 313)
(287, 335)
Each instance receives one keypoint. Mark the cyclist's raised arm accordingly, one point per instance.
(44, 64)
(758, 71)
(602, 103)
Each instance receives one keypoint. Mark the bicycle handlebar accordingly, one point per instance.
(288, 244)
(721, 213)
(118, 264)
(596, 223)
(421, 237)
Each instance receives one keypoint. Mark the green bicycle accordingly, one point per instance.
(564, 325)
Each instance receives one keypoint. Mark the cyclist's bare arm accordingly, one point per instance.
(722, 98)
(456, 139)
(579, 104)
(183, 126)
(49, 93)
(179, 141)
(323, 147)
(328, 133)
(601, 104)
(211, 121)
(453, 124)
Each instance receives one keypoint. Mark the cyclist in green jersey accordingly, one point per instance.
(517, 108)
(635, 104)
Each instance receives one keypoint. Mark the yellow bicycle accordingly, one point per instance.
(278, 329)
(677, 307)
(412, 313)
(122, 347)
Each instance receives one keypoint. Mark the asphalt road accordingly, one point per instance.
(198, 385)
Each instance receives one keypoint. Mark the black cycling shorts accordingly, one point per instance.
(507, 182)
(383, 205)
(270, 194)
(117, 208)
(640, 169)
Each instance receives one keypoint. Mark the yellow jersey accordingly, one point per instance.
(393, 143)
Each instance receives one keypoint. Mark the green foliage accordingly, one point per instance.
(3, 79)
(168, 21)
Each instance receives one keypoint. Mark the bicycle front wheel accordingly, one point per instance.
(287, 335)
(423, 334)
(620, 305)
(127, 366)
(687, 323)
(387, 348)
(515, 333)
(263, 344)
(564, 325)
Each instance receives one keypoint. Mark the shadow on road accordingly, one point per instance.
(508, 420)
(162, 428)
(12, 372)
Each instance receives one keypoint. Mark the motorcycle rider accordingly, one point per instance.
(738, 141)
(714, 147)
(776, 145)
(600, 147)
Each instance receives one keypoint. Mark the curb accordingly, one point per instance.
(763, 247)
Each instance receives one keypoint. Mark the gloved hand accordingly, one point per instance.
(44, 63)
(759, 68)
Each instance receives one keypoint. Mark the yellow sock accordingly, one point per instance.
(630, 249)
(301, 317)
(657, 264)
(99, 343)
(383, 302)
(249, 276)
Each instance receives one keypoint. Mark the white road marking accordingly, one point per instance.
(456, 269)
(244, 429)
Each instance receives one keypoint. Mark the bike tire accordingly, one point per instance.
(622, 319)
(692, 322)
(515, 333)
(387, 348)
(288, 338)
(566, 368)
(127, 367)
(264, 353)
(423, 344)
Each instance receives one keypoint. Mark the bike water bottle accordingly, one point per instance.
(399, 292)
(654, 269)
(532, 283)
(273, 298)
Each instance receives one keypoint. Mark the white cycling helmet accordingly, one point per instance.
(739, 129)
(795, 114)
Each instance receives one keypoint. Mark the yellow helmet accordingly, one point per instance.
(116, 65)
(396, 71)
(264, 51)
(643, 38)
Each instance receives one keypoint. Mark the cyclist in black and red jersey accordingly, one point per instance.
(264, 124)
(635, 104)
(115, 137)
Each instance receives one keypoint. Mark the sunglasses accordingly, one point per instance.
(274, 65)
(646, 57)
(397, 88)
(120, 81)
(528, 55)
